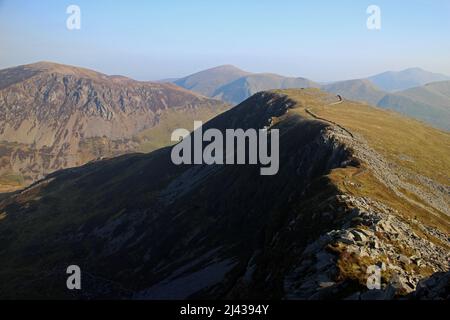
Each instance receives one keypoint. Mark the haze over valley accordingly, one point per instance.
(389, 90)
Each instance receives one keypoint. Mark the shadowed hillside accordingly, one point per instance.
(357, 186)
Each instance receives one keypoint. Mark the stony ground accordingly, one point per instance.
(405, 250)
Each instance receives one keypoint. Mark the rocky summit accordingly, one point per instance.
(55, 116)
(358, 189)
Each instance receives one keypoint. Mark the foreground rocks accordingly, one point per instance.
(372, 236)
(437, 287)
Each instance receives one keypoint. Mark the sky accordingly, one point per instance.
(158, 39)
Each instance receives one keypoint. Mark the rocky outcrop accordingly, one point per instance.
(371, 236)
(55, 116)
(437, 287)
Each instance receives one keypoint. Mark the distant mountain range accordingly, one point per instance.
(406, 79)
(385, 90)
(209, 81)
(55, 116)
(233, 85)
(430, 103)
(358, 187)
(243, 88)
(359, 90)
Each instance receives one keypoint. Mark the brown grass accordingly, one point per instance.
(410, 145)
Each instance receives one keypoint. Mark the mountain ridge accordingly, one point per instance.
(244, 87)
(54, 116)
(207, 81)
(429, 103)
(405, 79)
(353, 190)
(375, 90)
(358, 89)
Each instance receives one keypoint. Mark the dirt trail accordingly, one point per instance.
(308, 111)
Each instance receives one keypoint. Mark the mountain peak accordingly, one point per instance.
(52, 67)
(226, 67)
(207, 81)
(46, 65)
(67, 113)
(406, 79)
(415, 69)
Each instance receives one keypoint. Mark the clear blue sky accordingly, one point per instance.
(154, 39)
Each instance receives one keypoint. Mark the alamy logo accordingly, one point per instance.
(74, 280)
(237, 143)
(374, 277)
(374, 20)
(73, 22)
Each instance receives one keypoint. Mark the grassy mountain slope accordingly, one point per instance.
(357, 186)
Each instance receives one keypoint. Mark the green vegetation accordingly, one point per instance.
(159, 136)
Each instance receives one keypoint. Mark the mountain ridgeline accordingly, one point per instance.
(414, 92)
(392, 81)
(207, 82)
(233, 85)
(357, 187)
(56, 116)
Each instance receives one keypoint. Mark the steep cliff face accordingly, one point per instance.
(55, 116)
(342, 201)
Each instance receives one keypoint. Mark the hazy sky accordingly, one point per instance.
(154, 39)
